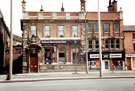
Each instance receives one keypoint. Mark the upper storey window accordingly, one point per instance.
(33, 30)
(106, 28)
(61, 31)
(116, 28)
(47, 31)
(89, 28)
(74, 31)
(96, 28)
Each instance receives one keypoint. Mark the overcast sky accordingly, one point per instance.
(128, 7)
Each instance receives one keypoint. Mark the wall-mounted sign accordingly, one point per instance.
(106, 56)
(97, 56)
(115, 55)
(130, 55)
(60, 41)
(94, 55)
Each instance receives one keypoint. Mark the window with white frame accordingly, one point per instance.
(89, 28)
(112, 43)
(106, 43)
(117, 43)
(106, 28)
(96, 44)
(96, 28)
(90, 44)
(47, 31)
(74, 31)
(61, 31)
(33, 30)
(116, 28)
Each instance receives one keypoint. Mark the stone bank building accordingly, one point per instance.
(57, 40)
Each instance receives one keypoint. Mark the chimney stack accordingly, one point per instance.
(83, 8)
(110, 6)
(114, 6)
(41, 8)
(62, 8)
(23, 6)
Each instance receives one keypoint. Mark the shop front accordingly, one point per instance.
(110, 61)
(61, 51)
(130, 61)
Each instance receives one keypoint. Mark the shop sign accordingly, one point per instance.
(106, 56)
(60, 42)
(94, 55)
(115, 55)
(97, 55)
(130, 55)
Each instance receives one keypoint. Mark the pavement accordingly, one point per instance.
(50, 76)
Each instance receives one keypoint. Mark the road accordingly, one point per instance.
(72, 85)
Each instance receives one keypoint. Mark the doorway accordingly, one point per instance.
(34, 62)
(106, 65)
(128, 63)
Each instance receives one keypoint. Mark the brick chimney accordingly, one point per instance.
(83, 8)
(114, 6)
(62, 8)
(23, 6)
(110, 6)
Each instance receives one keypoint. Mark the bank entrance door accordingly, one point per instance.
(33, 62)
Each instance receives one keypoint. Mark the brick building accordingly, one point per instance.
(5, 48)
(111, 36)
(57, 40)
(4, 40)
(129, 45)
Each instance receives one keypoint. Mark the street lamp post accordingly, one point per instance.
(86, 42)
(11, 45)
(100, 50)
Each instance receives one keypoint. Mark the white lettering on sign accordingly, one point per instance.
(115, 55)
(130, 55)
(54, 42)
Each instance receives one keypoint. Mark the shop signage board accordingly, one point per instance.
(115, 55)
(97, 56)
(60, 41)
(130, 55)
(106, 56)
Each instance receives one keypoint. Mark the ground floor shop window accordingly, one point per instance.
(62, 58)
(94, 65)
(48, 55)
(134, 62)
(75, 55)
(117, 64)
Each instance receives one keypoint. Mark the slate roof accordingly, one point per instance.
(129, 28)
(17, 38)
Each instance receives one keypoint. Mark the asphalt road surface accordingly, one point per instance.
(72, 85)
